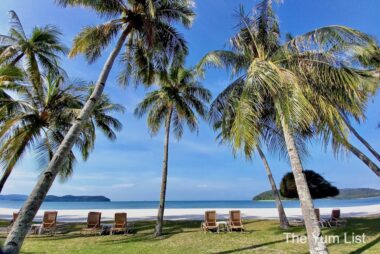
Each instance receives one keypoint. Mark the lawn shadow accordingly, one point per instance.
(145, 232)
(366, 247)
(252, 247)
(367, 226)
(59, 237)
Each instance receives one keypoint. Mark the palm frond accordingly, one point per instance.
(109, 8)
(91, 41)
(15, 23)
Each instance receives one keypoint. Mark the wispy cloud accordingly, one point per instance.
(123, 185)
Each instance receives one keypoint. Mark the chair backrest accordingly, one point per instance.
(235, 217)
(317, 213)
(210, 218)
(14, 218)
(93, 219)
(50, 219)
(15, 215)
(120, 220)
(335, 214)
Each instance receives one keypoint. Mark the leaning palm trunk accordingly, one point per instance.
(21, 227)
(284, 223)
(360, 138)
(7, 173)
(363, 158)
(161, 209)
(4, 179)
(315, 239)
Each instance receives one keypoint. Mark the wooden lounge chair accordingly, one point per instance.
(93, 223)
(336, 220)
(234, 221)
(49, 222)
(120, 225)
(322, 222)
(210, 222)
(14, 217)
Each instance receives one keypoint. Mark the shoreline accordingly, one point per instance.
(80, 215)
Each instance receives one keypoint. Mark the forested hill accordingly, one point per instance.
(349, 193)
(51, 198)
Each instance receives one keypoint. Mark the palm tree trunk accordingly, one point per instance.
(161, 209)
(22, 225)
(363, 158)
(18, 58)
(4, 179)
(284, 223)
(360, 138)
(315, 239)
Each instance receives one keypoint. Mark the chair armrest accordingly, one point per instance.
(48, 224)
(95, 226)
(120, 225)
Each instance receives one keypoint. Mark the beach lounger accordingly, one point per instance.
(336, 220)
(49, 222)
(93, 223)
(210, 222)
(14, 217)
(234, 221)
(120, 225)
(322, 222)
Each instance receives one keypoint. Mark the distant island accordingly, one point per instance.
(349, 193)
(52, 198)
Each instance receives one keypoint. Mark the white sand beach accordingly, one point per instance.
(198, 213)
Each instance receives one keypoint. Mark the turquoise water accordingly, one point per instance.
(191, 204)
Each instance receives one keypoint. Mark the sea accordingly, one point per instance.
(193, 204)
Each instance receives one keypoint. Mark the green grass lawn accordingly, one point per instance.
(262, 236)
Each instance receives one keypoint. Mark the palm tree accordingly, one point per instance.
(284, 223)
(360, 138)
(302, 84)
(42, 48)
(41, 122)
(223, 116)
(146, 28)
(176, 102)
(370, 58)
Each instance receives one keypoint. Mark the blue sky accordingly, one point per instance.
(199, 169)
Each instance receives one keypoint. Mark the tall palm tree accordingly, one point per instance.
(147, 29)
(224, 118)
(284, 223)
(177, 101)
(41, 121)
(40, 49)
(302, 84)
(370, 58)
(360, 138)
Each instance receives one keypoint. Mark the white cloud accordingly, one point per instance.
(123, 185)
